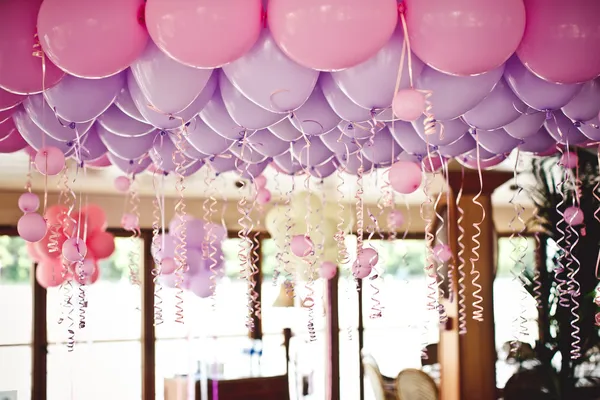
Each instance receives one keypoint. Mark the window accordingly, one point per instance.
(16, 311)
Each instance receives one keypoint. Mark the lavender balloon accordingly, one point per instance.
(499, 108)
(284, 130)
(382, 149)
(246, 153)
(538, 142)
(163, 151)
(345, 108)
(406, 136)
(591, 129)
(446, 132)
(269, 78)
(586, 104)
(215, 115)
(315, 117)
(250, 171)
(119, 123)
(134, 166)
(563, 130)
(324, 170)
(464, 144)
(339, 143)
(526, 125)
(222, 163)
(536, 92)
(206, 140)
(93, 148)
(352, 162)
(497, 141)
(288, 164)
(243, 111)
(360, 130)
(315, 154)
(128, 148)
(126, 104)
(80, 100)
(36, 137)
(267, 144)
(192, 167)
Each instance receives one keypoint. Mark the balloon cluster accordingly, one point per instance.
(243, 95)
(72, 246)
(204, 255)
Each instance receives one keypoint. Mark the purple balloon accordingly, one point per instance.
(315, 154)
(222, 163)
(36, 137)
(165, 120)
(497, 141)
(352, 162)
(339, 143)
(243, 111)
(526, 125)
(287, 164)
(128, 148)
(404, 156)
(126, 104)
(13, 142)
(536, 92)
(315, 117)
(246, 153)
(284, 130)
(269, 78)
(383, 149)
(345, 108)
(188, 150)
(93, 147)
(200, 284)
(192, 167)
(470, 161)
(81, 100)
(359, 130)
(119, 123)
(452, 96)
(324, 170)
(371, 84)
(461, 146)
(406, 136)
(586, 104)
(162, 152)
(563, 130)
(267, 144)
(167, 84)
(218, 119)
(250, 171)
(499, 108)
(538, 142)
(206, 140)
(446, 132)
(45, 118)
(591, 129)
(135, 166)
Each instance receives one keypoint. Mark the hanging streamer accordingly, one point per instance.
(452, 261)
(279, 254)
(597, 218)
(562, 241)
(474, 258)
(289, 276)
(158, 227)
(462, 303)
(209, 249)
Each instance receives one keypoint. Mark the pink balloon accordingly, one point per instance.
(367, 257)
(562, 39)
(20, 71)
(168, 266)
(573, 216)
(101, 244)
(122, 183)
(442, 252)
(395, 219)
(94, 217)
(347, 32)
(84, 271)
(181, 29)
(260, 181)
(465, 37)
(263, 196)
(405, 177)
(6, 115)
(361, 271)
(29, 202)
(49, 161)
(49, 273)
(409, 104)
(32, 227)
(12, 142)
(327, 270)
(33, 253)
(92, 50)
(130, 222)
(74, 249)
(569, 159)
(301, 245)
(432, 163)
(9, 100)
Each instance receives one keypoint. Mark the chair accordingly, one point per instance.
(414, 384)
(383, 387)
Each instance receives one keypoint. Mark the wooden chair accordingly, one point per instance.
(414, 384)
(383, 387)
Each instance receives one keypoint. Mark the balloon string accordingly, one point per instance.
(279, 254)
(78, 266)
(540, 263)
(438, 234)
(181, 245)
(157, 248)
(561, 242)
(287, 215)
(575, 292)
(343, 257)
(452, 261)
(134, 254)
(208, 244)
(517, 256)
(39, 52)
(474, 258)
(462, 304)
(376, 308)
(597, 217)
(68, 197)
(255, 255)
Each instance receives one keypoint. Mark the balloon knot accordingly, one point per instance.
(163, 133)
(401, 8)
(72, 125)
(577, 124)
(548, 114)
(141, 16)
(263, 18)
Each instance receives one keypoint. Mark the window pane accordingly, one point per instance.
(113, 302)
(15, 370)
(95, 371)
(16, 304)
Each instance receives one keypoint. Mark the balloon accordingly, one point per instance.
(352, 162)
(267, 144)
(266, 76)
(9, 100)
(101, 244)
(444, 87)
(568, 159)
(563, 130)
(324, 170)
(327, 270)
(100, 162)
(191, 168)
(194, 229)
(165, 120)
(130, 166)
(130, 222)
(222, 163)
(93, 39)
(442, 252)
(201, 284)
(167, 266)
(461, 146)
(591, 129)
(432, 163)
(341, 144)
(218, 119)
(497, 141)
(116, 121)
(86, 272)
(74, 249)
(382, 149)
(36, 137)
(526, 125)
(243, 111)
(12, 142)
(395, 219)
(405, 177)
(444, 133)
(32, 227)
(361, 271)
(93, 147)
(33, 253)
(54, 214)
(539, 141)
(128, 148)
(29, 202)
(345, 108)
(499, 108)
(260, 181)
(562, 40)
(331, 35)
(20, 71)
(167, 84)
(165, 245)
(465, 37)
(469, 160)
(408, 138)
(80, 100)
(94, 216)
(573, 216)
(315, 117)
(586, 104)
(301, 245)
(263, 196)
(367, 256)
(249, 171)
(381, 73)
(409, 104)
(246, 153)
(162, 152)
(204, 139)
(311, 155)
(204, 34)
(287, 163)
(536, 92)
(46, 119)
(50, 273)
(284, 130)
(49, 161)
(5, 115)
(127, 105)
